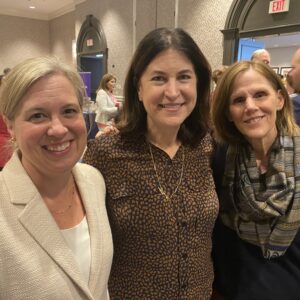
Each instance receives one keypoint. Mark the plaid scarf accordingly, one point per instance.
(264, 209)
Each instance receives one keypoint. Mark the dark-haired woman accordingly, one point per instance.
(161, 197)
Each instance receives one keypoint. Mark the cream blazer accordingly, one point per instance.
(35, 261)
(106, 109)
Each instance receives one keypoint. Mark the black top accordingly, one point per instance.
(241, 271)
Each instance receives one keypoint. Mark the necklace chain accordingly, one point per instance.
(62, 211)
(160, 188)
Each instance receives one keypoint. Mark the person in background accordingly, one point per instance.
(56, 238)
(261, 55)
(217, 74)
(161, 196)
(107, 105)
(294, 96)
(257, 239)
(294, 76)
(6, 71)
(5, 151)
(288, 85)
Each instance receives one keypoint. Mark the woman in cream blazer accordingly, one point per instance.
(35, 261)
(55, 238)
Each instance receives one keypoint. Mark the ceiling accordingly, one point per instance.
(44, 9)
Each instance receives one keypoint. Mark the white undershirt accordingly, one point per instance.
(78, 239)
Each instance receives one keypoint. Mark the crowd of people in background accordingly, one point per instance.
(190, 190)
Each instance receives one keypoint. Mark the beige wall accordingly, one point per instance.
(62, 35)
(202, 19)
(22, 38)
(25, 38)
(150, 16)
(117, 23)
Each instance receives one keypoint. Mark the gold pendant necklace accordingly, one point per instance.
(62, 211)
(160, 188)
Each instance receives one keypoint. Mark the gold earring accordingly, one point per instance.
(12, 139)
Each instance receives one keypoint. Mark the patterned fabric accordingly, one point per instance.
(264, 209)
(162, 249)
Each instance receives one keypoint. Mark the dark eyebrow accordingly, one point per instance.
(158, 72)
(186, 71)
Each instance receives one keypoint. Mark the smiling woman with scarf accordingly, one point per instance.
(257, 240)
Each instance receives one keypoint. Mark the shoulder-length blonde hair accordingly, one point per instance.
(225, 130)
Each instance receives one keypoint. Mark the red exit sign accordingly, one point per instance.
(278, 6)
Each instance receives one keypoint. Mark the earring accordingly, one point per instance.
(12, 139)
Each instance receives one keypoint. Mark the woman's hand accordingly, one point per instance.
(107, 130)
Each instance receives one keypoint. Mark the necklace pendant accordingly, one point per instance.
(163, 193)
(161, 190)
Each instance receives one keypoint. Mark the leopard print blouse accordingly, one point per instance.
(162, 248)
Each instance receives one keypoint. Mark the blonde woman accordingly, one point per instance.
(55, 237)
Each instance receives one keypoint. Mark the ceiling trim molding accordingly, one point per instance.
(62, 11)
(23, 14)
(41, 16)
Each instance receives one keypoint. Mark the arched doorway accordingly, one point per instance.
(92, 62)
(248, 18)
(92, 51)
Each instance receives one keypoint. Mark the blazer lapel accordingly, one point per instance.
(38, 222)
(89, 196)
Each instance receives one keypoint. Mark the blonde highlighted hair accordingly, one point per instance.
(24, 75)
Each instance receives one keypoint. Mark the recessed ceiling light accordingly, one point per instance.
(32, 7)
